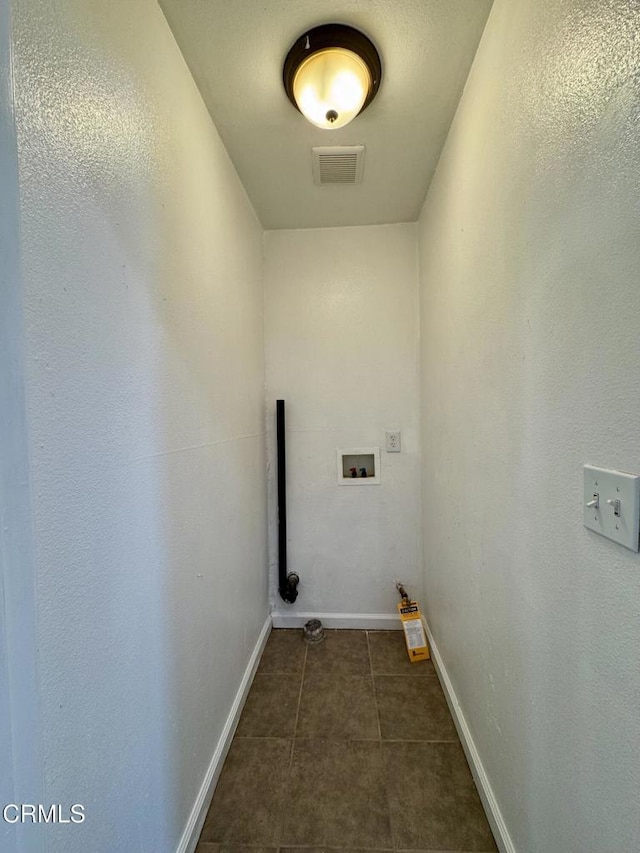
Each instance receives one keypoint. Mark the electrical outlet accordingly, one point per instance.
(392, 441)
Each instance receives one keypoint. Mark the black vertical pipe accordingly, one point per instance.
(287, 583)
(282, 496)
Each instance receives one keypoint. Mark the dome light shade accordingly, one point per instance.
(331, 86)
(331, 74)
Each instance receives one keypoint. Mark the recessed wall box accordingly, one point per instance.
(358, 466)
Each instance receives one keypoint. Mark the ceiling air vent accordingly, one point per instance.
(338, 165)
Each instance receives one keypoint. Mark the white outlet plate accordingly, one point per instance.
(613, 486)
(392, 441)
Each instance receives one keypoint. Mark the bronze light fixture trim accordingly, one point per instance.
(331, 74)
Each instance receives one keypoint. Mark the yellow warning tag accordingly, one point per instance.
(415, 638)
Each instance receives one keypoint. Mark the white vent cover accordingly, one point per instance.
(341, 164)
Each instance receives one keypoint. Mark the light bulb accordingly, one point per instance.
(331, 86)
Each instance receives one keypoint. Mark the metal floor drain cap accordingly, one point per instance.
(313, 631)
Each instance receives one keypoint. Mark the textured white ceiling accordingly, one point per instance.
(235, 50)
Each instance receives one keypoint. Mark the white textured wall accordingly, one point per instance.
(530, 318)
(10, 396)
(16, 567)
(342, 351)
(144, 362)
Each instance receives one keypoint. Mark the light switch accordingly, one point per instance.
(612, 505)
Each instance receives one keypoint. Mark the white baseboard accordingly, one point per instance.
(192, 830)
(494, 815)
(362, 621)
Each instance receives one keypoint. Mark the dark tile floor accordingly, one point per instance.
(345, 745)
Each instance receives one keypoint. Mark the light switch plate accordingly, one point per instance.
(615, 505)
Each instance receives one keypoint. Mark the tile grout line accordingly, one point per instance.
(304, 669)
(416, 740)
(375, 702)
(326, 847)
(373, 687)
(278, 843)
(350, 740)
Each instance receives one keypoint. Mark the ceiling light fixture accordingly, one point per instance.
(331, 74)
